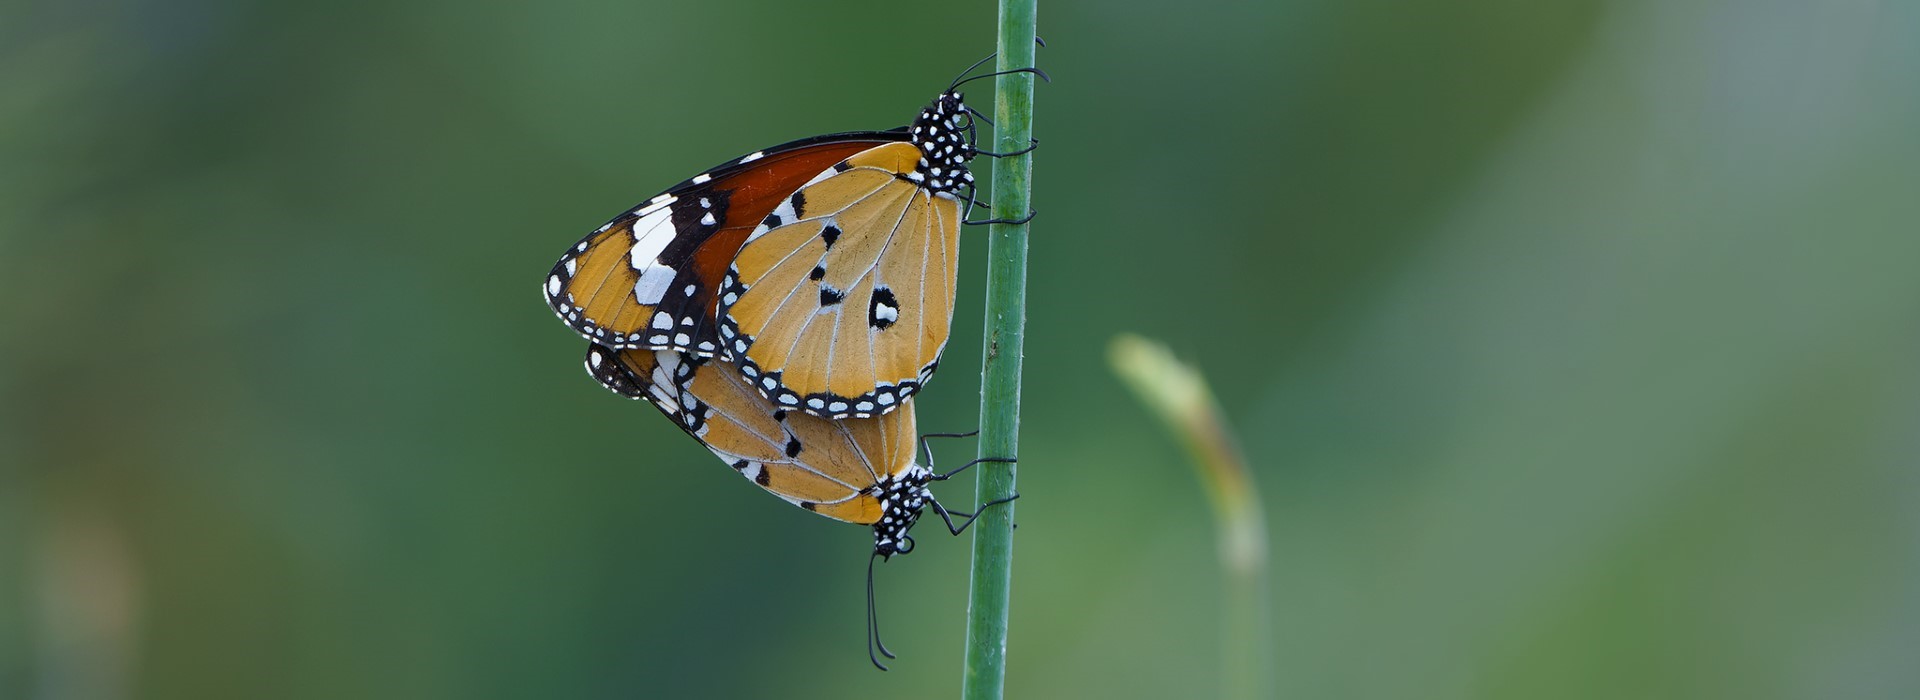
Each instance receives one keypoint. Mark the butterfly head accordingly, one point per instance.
(944, 133)
(902, 496)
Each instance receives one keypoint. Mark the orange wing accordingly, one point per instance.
(647, 278)
(840, 302)
(839, 469)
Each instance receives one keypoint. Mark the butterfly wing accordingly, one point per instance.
(648, 277)
(840, 302)
(825, 466)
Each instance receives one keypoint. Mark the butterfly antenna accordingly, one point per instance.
(873, 622)
(1035, 71)
(970, 69)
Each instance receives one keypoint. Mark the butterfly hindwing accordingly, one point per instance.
(840, 302)
(647, 279)
(825, 466)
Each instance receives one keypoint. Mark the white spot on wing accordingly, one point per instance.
(785, 211)
(702, 179)
(553, 285)
(653, 284)
(656, 204)
(651, 234)
(751, 157)
(824, 174)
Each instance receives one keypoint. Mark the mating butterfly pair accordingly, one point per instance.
(784, 307)
(784, 292)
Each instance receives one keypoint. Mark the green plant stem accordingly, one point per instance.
(988, 591)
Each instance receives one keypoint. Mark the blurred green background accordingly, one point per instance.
(1574, 345)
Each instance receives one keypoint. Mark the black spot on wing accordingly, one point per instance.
(817, 274)
(689, 228)
(883, 310)
(793, 447)
(772, 221)
(830, 296)
(829, 234)
(799, 202)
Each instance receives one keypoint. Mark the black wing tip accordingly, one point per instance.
(604, 365)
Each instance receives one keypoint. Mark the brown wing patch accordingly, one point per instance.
(647, 279)
(844, 312)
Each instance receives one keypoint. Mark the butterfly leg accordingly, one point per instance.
(1032, 143)
(973, 200)
(928, 451)
(1031, 212)
(947, 515)
(969, 465)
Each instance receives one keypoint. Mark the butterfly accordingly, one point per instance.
(859, 470)
(822, 269)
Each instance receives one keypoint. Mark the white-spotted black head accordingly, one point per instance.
(944, 133)
(902, 497)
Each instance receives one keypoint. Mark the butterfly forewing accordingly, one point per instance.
(842, 307)
(826, 466)
(648, 278)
